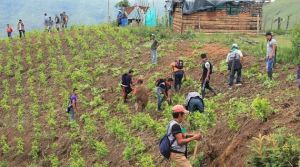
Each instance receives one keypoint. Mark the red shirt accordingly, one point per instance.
(9, 29)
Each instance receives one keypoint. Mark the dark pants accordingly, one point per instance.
(22, 33)
(232, 74)
(9, 34)
(196, 104)
(126, 91)
(205, 85)
(178, 75)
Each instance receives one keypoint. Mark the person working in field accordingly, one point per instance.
(194, 102)
(178, 73)
(234, 61)
(163, 91)
(46, 21)
(271, 54)
(72, 106)
(298, 76)
(154, 47)
(141, 95)
(57, 22)
(9, 31)
(126, 84)
(206, 73)
(179, 138)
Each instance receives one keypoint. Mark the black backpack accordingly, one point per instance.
(159, 81)
(179, 64)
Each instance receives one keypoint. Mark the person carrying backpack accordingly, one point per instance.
(142, 95)
(50, 24)
(154, 47)
(298, 76)
(179, 138)
(194, 102)
(207, 68)
(9, 31)
(21, 28)
(271, 54)
(57, 23)
(163, 91)
(178, 73)
(72, 106)
(126, 85)
(234, 62)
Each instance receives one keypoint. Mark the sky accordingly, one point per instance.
(82, 12)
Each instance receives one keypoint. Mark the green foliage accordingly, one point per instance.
(235, 108)
(3, 163)
(76, 160)
(278, 149)
(100, 148)
(198, 160)
(145, 160)
(54, 161)
(5, 148)
(223, 67)
(261, 108)
(20, 145)
(35, 149)
(295, 39)
(202, 121)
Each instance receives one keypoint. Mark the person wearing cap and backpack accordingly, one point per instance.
(21, 28)
(271, 54)
(163, 91)
(178, 73)
(174, 144)
(194, 102)
(207, 68)
(126, 84)
(234, 61)
(154, 47)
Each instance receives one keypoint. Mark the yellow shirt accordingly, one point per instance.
(173, 66)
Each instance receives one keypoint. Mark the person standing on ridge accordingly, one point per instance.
(9, 31)
(57, 22)
(178, 73)
(271, 54)
(234, 61)
(207, 68)
(154, 47)
(21, 28)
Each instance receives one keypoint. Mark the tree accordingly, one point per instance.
(123, 3)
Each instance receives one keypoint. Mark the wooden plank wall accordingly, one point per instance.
(218, 20)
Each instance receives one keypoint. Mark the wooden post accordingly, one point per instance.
(199, 25)
(257, 24)
(288, 22)
(279, 23)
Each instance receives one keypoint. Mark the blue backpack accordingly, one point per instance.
(165, 145)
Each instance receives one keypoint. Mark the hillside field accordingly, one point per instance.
(252, 125)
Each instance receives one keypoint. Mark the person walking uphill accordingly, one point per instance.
(206, 73)
(141, 95)
(163, 91)
(178, 73)
(194, 102)
(126, 84)
(234, 62)
(21, 28)
(72, 106)
(271, 54)
(154, 47)
(179, 138)
(9, 31)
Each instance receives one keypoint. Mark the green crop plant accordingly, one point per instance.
(291, 77)
(3, 163)
(100, 147)
(20, 145)
(134, 148)
(54, 161)
(146, 160)
(35, 149)
(235, 108)
(76, 160)
(5, 148)
(202, 121)
(122, 108)
(223, 67)
(116, 127)
(252, 71)
(261, 108)
(89, 124)
(277, 149)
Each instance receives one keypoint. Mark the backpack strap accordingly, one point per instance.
(172, 142)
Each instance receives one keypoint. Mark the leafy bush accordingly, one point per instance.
(145, 160)
(262, 108)
(235, 108)
(295, 34)
(279, 149)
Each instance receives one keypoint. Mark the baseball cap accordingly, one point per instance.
(179, 108)
(235, 45)
(269, 33)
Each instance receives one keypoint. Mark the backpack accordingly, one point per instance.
(165, 145)
(179, 64)
(159, 81)
(123, 79)
(69, 105)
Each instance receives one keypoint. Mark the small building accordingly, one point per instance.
(136, 14)
(216, 15)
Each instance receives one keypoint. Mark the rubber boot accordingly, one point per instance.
(270, 75)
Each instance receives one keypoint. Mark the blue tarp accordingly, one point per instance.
(151, 18)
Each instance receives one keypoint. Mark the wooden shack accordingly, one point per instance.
(218, 16)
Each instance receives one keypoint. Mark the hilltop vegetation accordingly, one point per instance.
(283, 9)
(256, 124)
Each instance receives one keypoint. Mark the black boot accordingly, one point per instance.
(270, 75)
